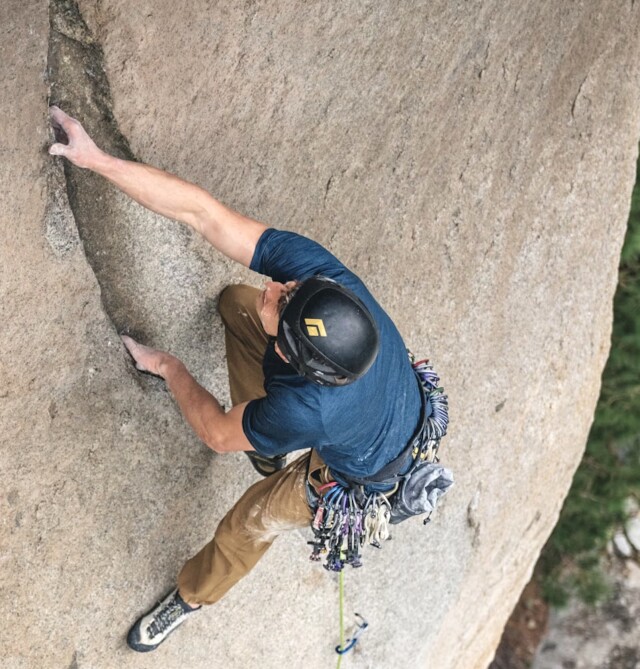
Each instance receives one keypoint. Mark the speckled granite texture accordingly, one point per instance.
(472, 161)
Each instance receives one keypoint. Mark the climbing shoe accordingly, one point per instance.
(151, 629)
(266, 466)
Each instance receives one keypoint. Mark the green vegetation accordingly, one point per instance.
(610, 470)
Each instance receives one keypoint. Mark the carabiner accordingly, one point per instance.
(350, 643)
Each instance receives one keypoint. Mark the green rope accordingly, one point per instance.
(341, 588)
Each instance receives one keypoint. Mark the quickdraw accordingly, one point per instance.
(341, 526)
(360, 626)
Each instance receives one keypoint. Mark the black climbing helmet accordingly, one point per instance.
(327, 334)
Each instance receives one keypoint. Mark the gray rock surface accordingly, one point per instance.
(632, 530)
(621, 545)
(472, 161)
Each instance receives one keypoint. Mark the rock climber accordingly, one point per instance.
(314, 363)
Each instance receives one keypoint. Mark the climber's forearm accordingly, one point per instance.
(231, 233)
(221, 432)
(228, 231)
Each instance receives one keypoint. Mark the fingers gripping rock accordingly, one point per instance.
(73, 141)
(135, 351)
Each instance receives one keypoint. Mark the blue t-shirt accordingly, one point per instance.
(357, 429)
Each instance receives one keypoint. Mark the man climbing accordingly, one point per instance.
(314, 363)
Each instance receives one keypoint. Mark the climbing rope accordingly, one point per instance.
(341, 599)
(360, 627)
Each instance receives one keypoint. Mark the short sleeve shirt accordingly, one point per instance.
(358, 428)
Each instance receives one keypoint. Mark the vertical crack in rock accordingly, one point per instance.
(473, 517)
(79, 85)
(60, 226)
(576, 99)
(129, 250)
(74, 661)
(78, 82)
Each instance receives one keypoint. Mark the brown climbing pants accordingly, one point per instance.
(271, 506)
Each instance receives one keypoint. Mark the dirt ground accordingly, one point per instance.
(524, 631)
(605, 636)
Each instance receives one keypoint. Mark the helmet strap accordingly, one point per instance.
(279, 352)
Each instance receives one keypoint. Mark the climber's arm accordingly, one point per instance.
(221, 432)
(228, 231)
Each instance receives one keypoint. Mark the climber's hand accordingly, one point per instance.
(147, 359)
(73, 142)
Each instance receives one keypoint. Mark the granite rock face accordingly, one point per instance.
(472, 161)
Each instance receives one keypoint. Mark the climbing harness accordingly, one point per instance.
(350, 513)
